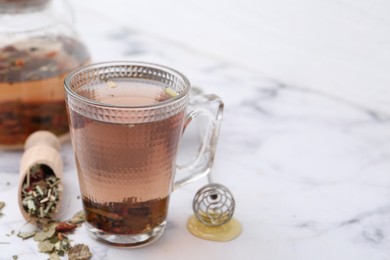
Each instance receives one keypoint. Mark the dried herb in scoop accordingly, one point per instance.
(40, 191)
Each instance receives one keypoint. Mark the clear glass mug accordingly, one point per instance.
(126, 120)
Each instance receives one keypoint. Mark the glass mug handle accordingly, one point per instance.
(211, 108)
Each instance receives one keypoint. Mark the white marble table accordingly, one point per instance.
(307, 161)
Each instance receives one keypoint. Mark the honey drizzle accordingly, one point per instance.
(223, 233)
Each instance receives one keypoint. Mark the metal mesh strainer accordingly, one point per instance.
(213, 205)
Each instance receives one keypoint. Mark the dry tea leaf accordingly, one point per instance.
(53, 240)
(26, 235)
(46, 246)
(46, 233)
(40, 236)
(2, 205)
(79, 252)
(54, 256)
(11, 233)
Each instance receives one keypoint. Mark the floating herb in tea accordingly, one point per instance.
(170, 92)
(40, 192)
(111, 84)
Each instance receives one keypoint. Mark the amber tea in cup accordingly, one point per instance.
(126, 121)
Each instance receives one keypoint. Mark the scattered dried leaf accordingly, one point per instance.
(11, 233)
(79, 252)
(2, 205)
(54, 256)
(26, 235)
(46, 246)
(53, 240)
(45, 233)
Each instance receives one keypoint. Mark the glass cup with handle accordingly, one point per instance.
(126, 121)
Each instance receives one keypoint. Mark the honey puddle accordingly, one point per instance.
(223, 233)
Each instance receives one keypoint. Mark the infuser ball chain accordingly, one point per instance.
(213, 205)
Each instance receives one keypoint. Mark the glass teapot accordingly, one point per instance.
(38, 47)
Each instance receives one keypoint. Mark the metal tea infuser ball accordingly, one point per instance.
(213, 207)
(213, 204)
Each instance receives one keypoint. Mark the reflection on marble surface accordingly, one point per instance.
(310, 171)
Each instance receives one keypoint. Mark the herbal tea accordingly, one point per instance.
(126, 119)
(31, 92)
(126, 170)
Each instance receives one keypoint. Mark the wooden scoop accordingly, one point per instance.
(41, 148)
